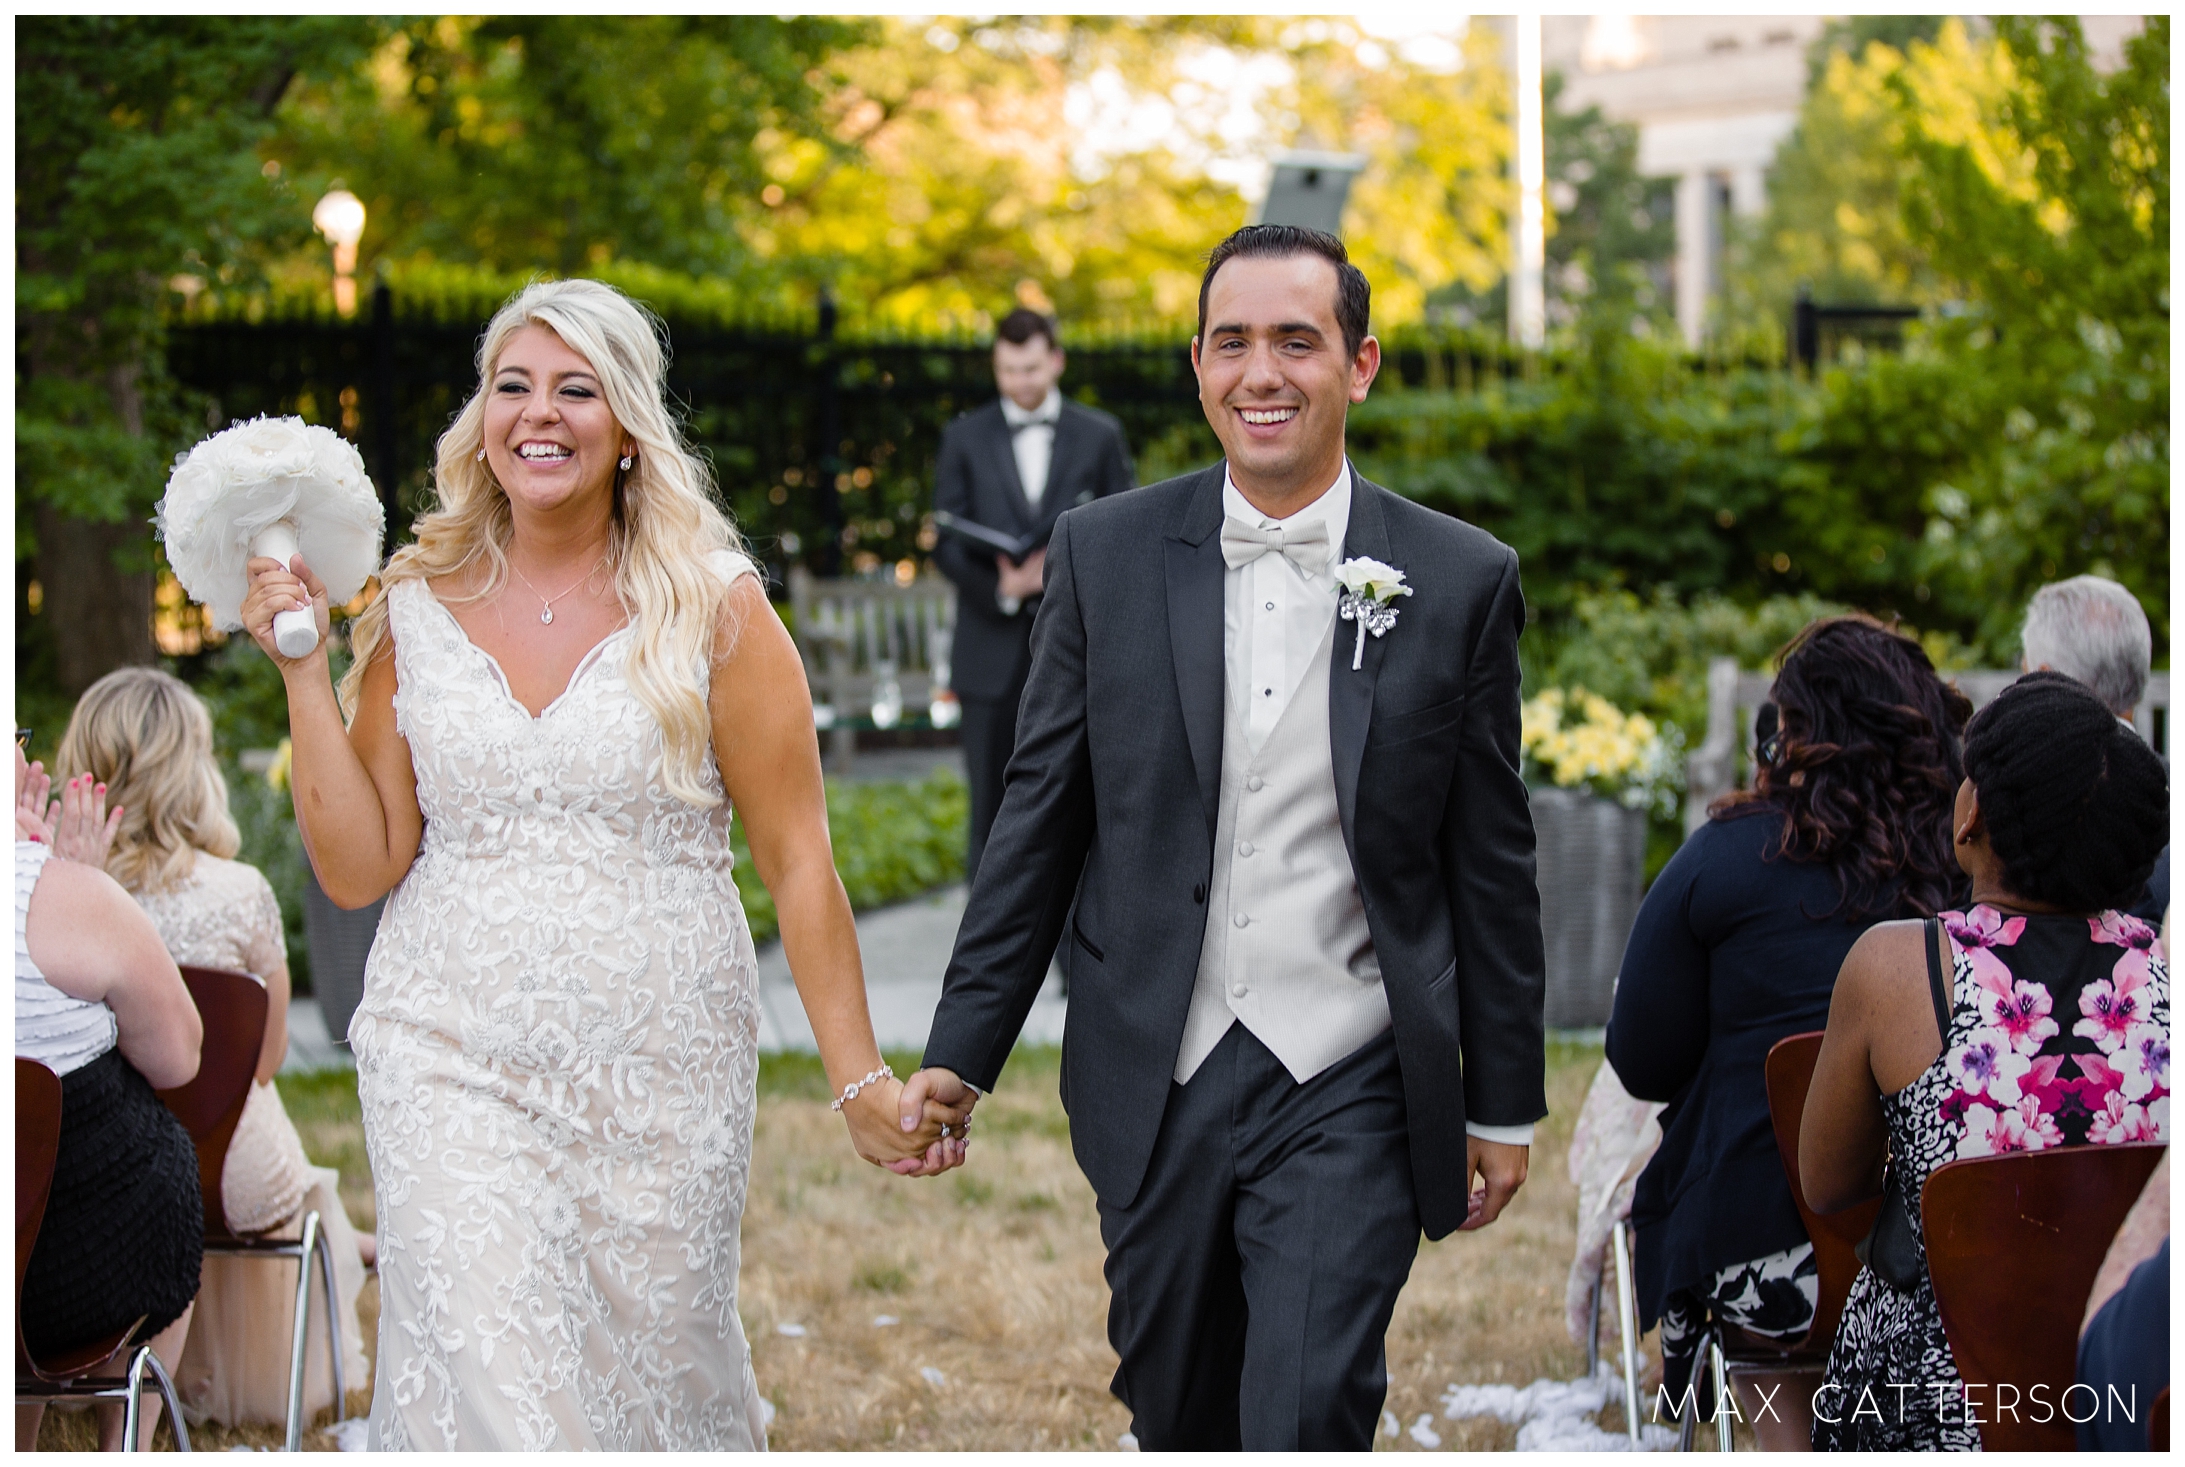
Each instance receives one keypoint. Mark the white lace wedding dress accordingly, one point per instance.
(557, 1059)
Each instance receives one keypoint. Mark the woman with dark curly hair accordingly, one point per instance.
(2037, 1017)
(1737, 946)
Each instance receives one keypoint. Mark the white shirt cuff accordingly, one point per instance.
(1501, 1135)
(1010, 605)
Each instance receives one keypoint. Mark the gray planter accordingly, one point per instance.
(1592, 855)
(339, 942)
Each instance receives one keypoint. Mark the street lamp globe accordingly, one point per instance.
(340, 217)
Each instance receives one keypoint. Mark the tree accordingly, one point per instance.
(561, 142)
(2060, 235)
(136, 161)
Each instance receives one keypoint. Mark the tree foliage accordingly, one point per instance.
(559, 142)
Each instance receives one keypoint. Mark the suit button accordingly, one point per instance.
(1237, 990)
(1198, 892)
(1254, 783)
(1243, 921)
(1244, 848)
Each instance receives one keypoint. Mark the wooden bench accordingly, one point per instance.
(858, 635)
(1734, 696)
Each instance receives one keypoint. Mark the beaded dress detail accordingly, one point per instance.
(557, 1055)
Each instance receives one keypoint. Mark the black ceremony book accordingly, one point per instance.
(1016, 547)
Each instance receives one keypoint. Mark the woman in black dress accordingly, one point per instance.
(1737, 946)
(98, 1001)
(2037, 1017)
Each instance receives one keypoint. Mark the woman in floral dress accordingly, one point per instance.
(2051, 1029)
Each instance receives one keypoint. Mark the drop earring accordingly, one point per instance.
(627, 460)
(481, 456)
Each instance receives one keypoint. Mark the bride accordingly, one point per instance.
(563, 687)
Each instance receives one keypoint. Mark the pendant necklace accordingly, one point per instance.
(546, 603)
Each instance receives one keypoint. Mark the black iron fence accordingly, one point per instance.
(824, 447)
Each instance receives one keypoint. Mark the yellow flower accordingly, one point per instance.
(277, 771)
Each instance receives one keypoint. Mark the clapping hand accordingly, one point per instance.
(78, 826)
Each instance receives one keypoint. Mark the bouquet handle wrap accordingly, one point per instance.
(295, 632)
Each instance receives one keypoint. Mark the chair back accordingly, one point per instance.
(2013, 1244)
(233, 1008)
(37, 1149)
(1835, 1236)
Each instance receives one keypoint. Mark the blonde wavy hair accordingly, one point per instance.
(666, 520)
(149, 739)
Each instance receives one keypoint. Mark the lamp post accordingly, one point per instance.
(340, 217)
(1528, 237)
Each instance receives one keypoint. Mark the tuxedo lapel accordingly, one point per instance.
(1350, 692)
(1195, 615)
(1065, 457)
(1002, 459)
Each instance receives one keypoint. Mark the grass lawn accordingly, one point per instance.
(992, 1278)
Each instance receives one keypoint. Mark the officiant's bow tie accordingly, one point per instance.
(1306, 545)
(1039, 418)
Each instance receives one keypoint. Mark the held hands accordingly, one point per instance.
(1501, 1171)
(892, 1129)
(934, 1095)
(275, 588)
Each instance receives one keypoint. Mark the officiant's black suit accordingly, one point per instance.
(1106, 834)
(976, 479)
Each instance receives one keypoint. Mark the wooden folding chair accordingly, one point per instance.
(1736, 1358)
(233, 1007)
(2013, 1244)
(69, 1376)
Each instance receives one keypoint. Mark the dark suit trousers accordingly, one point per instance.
(989, 737)
(1253, 1276)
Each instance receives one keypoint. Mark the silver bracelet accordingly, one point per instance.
(849, 1091)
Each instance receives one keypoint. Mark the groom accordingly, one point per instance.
(1291, 856)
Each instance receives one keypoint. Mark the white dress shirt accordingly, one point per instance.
(1032, 440)
(1275, 614)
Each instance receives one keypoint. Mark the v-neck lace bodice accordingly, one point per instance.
(557, 1060)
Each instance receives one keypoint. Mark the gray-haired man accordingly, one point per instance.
(2094, 631)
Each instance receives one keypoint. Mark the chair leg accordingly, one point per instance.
(325, 1252)
(1688, 1428)
(133, 1408)
(300, 1338)
(1627, 1308)
(1723, 1398)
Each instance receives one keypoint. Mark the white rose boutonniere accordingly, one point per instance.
(1366, 591)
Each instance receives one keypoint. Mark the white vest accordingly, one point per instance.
(1287, 951)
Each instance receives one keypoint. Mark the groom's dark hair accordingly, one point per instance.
(1353, 297)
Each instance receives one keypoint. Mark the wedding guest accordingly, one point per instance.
(148, 739)
(1737, 946)
(99, 1002)
(2042, 1021)
(1012, 465)
(2093, 630)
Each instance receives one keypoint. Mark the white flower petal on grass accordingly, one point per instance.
(1423, 1432)
(933, 1377)
(766, 1412)
(792, 1331)
(1126, 1442)
(1390, 1426)
(882, 1321)
(354, 1435)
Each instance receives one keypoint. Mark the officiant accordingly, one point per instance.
(1012, 466)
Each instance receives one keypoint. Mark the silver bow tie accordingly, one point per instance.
(1306, 546)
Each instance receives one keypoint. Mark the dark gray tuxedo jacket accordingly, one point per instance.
(1106, 830)
(976, 478)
